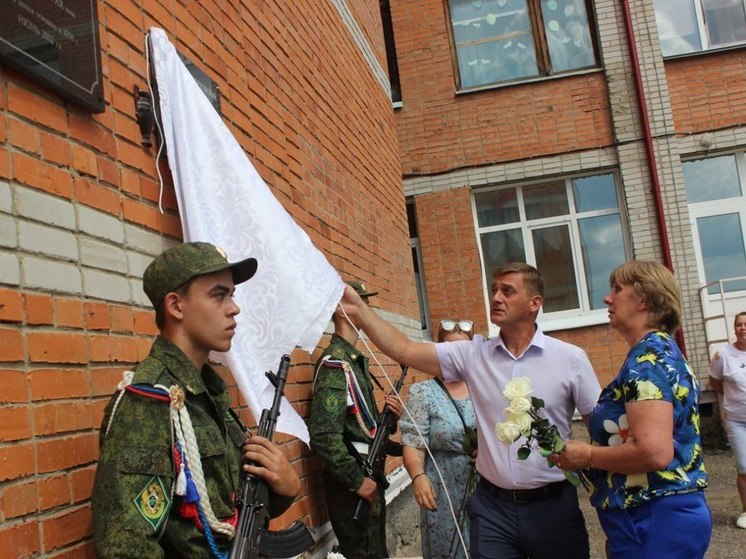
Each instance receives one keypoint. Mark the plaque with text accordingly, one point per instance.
(55, 42)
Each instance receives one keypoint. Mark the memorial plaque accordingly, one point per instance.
(55, 42)
(205, 82)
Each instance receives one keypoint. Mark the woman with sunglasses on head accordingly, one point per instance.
(445, 417)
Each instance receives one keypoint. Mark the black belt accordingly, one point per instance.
(523, 496)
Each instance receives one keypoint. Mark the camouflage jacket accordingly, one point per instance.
(332, 421)
(135, 511)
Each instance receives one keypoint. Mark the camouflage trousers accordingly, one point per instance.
(356, 541)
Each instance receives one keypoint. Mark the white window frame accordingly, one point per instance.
(704, 33)
(722, 206)
(573, 318)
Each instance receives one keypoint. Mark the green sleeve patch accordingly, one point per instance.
(333, 403)
(153, 502)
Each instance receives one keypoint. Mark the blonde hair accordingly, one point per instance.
(657, 287)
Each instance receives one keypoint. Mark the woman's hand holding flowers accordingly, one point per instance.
(575, 456)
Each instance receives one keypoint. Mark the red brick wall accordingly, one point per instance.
(439, 130)
(708, 92)
(318, 126)
(450, 258)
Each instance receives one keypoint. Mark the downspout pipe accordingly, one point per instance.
(649, 151)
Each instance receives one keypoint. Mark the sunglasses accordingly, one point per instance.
(449, 325)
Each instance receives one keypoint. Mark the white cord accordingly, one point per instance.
(157, 123)
(417, 429)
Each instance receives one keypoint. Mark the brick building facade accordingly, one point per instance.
(505, 162)
(304, 90)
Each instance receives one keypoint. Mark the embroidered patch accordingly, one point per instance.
(153, 502)
(332, 404)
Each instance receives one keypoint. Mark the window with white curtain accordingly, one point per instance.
(686, 26)
(571, 229)
(500, 41)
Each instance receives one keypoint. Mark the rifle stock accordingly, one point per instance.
(252, 539)
(373, 465)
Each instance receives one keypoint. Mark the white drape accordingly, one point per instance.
(223, 200)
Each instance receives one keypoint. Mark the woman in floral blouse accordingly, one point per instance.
(645, 459)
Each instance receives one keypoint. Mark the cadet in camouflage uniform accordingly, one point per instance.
(344, 409)
(147, 500)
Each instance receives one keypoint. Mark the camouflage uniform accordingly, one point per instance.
(135, 511)
(330, 424)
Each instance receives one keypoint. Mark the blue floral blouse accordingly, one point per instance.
(655, 369)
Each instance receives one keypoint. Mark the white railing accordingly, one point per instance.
(719, 310)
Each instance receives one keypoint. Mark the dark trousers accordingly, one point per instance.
(356, 541)
(545, 527)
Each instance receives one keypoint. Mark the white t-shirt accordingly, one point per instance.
(729, 366)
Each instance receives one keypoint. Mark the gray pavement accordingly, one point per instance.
(728, 541)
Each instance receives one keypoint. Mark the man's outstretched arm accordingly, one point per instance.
(391, 341)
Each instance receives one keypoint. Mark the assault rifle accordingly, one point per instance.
(253, 539)
(373, 465)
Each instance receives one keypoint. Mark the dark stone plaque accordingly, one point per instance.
(55, 42)
(205, 82)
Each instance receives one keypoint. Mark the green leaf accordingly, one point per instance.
(537, 403)
(573, 478)
(523, 453)
(559, 445)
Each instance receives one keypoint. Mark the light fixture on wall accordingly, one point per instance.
(144, 116)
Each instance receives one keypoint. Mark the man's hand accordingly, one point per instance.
(367, 489)
(351, 305)
(394, 404)
(270, 463)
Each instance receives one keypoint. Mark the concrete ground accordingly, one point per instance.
(728, 541)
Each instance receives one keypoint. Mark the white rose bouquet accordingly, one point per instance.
(524, 420)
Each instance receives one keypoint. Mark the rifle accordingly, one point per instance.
(252, 538)
(373, 465)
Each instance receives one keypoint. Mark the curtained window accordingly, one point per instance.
(500, 41)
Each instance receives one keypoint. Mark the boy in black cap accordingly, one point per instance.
(170, 450)
(344, 414)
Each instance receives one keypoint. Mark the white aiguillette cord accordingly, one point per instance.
(416, 428)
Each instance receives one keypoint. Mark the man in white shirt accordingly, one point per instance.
(521, 509)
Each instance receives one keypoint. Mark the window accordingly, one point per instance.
(414, 243)
(696, 25)
(391, 62)
(570, 229)
(505, 40)
(717, 207)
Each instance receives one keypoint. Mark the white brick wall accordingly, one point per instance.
(50, 244)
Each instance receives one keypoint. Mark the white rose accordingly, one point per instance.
(507, 432)
(519, 405)
(519, 387)
(522, 420)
